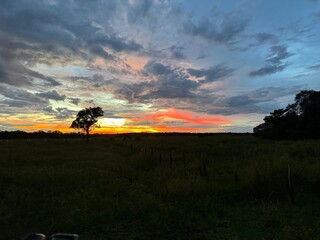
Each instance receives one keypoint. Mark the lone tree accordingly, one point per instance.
(87, 119)
(298, 120)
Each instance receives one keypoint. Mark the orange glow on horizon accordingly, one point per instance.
(108, 130)
(188, 116)
(183, 121)
(142, 129)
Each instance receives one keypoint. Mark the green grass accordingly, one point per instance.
(112, 188)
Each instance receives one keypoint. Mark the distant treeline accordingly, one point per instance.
(57, 134)
(299, 120)
(35, 135)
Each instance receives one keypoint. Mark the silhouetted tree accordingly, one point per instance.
(87, 119)
(298, 120)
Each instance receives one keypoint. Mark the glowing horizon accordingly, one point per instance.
(130, 125)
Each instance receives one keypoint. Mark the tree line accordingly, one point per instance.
(4, 135)
(299, 120)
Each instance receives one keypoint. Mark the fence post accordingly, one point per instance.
(291, 192)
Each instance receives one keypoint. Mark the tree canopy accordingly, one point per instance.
(87, 119)
(298, 120)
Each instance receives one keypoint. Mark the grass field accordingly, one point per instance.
(161, 187)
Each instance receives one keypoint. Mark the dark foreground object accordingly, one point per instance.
(57, 236)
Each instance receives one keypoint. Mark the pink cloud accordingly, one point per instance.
(187, 116)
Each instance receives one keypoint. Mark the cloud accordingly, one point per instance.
(167, 82)
(212, 74)
(274, 62)
(225, 29)
(177, 52)
(64, 113)
(49, 80)
(12, 103)
(68, 24)
(15, 74)
(172, 119)
(268, 69)
(262, 100)
(314, 67)
(114, 42)
(138, 9)
(264, 37)
(99, 51)
(16, 97)
(74, 101)
(153, 67)
(187, 116)
(277, 54)
(53, 95)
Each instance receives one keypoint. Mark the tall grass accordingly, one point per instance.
(160, 187)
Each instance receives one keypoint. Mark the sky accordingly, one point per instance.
(155, 65)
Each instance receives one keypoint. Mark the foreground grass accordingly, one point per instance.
(160, 187)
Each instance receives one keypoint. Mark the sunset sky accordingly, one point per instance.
(155, 65)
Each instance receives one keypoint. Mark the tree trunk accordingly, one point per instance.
(87, 134)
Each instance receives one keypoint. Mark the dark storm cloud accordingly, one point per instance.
(274, 62)
(211, 74)
(224, 30)
(53, 95)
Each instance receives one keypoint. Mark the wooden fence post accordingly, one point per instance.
(291, 192)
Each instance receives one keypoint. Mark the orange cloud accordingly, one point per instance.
(136, 63)
(188, 116)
